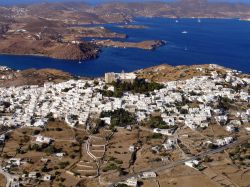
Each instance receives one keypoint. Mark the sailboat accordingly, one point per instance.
(199, 20)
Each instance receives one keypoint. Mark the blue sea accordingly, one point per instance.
(212, 41)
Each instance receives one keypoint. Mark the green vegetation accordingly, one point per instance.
(207, 159)
(98, 124)
(51, 149)
(48, 149)
(225, 103)
(121, 185)
(36, 132)
(138, 86)
(63, 165)
(200, 167)
(156, 136)
(157, 122)
(113, 164)
(212, 146)
(115, 160)
(118, 161)
(110, 166)
(66, 89)
(240, 155)
(119, 118)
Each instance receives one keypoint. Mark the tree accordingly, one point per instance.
(63, 165)
(120, 118)
(50, 150)
(122, 185)
(36, 132)
(157, 122)
(138, 86)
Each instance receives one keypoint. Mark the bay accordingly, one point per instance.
(212, 41)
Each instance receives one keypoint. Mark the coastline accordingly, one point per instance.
(45, 57)
(34, 55)
(176, 18)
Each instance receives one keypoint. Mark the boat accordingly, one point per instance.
(199, 20)
(184, 32)
(79, 62)
(176, 21)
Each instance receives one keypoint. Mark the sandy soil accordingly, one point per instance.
(183, 176)
(2, 181)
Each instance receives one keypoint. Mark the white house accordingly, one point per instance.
(230, 128)
(33, 175)
(224, 141)
(192, 163)
(15, 161)
(132, 181)
(43, 139)
(132, 148)
(170, 144)
(149, 174)
(106, 120)
(163, 131)
(47, 177)
(60, 155)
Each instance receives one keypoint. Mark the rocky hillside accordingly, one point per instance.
(35, 77)
(181, 8)
(165, 72)
(83, 51)
(67, 51)
(79, 12)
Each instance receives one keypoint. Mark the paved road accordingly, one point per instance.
(180, 162)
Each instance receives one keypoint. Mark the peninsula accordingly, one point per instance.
(147, 45)
(133, 26)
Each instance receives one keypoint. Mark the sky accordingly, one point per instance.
(9, 2)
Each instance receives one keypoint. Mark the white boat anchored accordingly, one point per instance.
(184, 32)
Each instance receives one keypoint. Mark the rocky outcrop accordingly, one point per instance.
(3, 29)
(82, 51)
